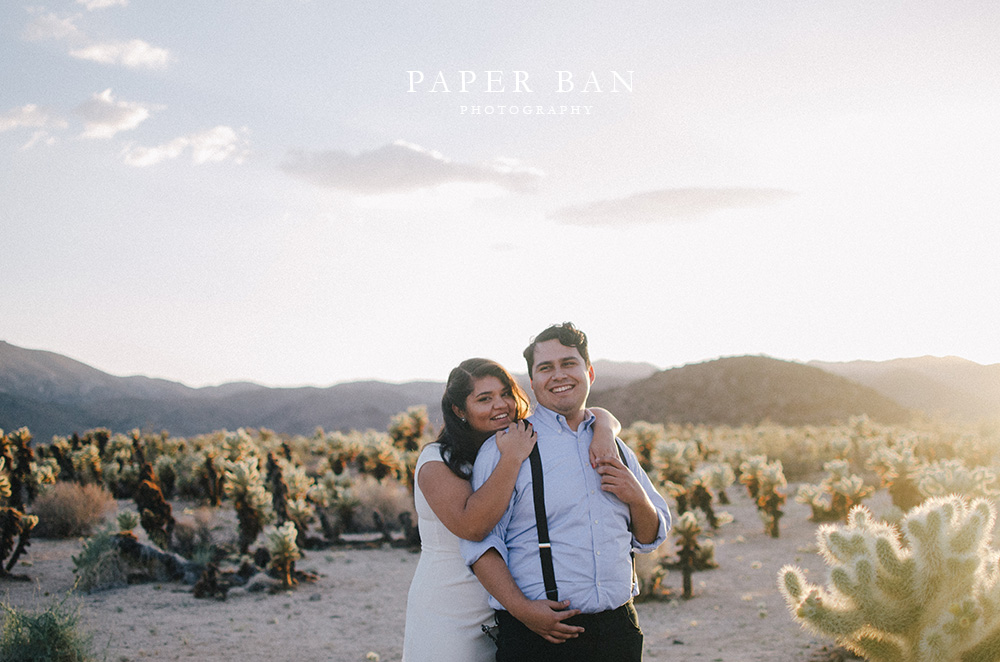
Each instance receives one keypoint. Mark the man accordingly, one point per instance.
(594, 519)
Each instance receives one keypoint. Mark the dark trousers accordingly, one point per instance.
(609, 636)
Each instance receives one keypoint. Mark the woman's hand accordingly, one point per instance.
(517, 440)
(606, 428)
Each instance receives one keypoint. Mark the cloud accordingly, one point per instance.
(103, 116)
(134, 54)
(39, 137)
(667, 205)
(212, 145)
(403, 166)
(49, 25)
(102, 4)
(32, 117)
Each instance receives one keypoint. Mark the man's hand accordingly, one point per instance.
(617, 479)
(545, 618)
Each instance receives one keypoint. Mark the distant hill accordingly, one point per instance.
(941, 386)
(747, 390)
(52, 394)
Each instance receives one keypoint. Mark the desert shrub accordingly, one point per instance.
(99, 566)
(388, 498)
(51, 635)
(68, 510)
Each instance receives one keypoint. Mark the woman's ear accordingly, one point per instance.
(458, 412)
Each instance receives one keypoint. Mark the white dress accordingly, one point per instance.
(446, 606)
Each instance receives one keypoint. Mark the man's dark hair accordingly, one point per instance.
(567, 334)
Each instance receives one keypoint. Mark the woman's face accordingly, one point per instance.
(490, 407)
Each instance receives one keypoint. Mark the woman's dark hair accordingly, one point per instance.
(459, 442)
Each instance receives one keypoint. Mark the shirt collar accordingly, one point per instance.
(558, 421)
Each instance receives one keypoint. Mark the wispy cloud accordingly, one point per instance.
(668, 205)
(32, 117)
(48, 25)
(403, 166)
(102, 4)
(103, 116)
(134, 54)
(213, 145)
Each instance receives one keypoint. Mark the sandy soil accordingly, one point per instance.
(355, 610)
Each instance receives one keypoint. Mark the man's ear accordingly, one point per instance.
(590, 371)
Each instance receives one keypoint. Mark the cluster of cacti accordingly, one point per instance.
(765, 481)
(642, 437)
(898, 467)
(926, 591)
(841, 490)
(682, 474)
(953, 477)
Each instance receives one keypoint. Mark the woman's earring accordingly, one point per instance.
(463, 420)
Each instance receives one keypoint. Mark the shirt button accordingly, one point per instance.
(591, 491)
(596, 521)
(598, 553)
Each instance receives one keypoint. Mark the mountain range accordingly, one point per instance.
(52, 394)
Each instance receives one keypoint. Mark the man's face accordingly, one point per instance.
(560, 378)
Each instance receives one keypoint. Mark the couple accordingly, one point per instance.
(473, 484)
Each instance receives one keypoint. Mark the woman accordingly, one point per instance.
(446, 607)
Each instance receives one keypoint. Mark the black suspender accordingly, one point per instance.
(542, 523)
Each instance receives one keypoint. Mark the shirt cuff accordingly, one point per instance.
(471, 551)
(661, 536)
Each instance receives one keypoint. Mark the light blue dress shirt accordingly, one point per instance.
(588, 528)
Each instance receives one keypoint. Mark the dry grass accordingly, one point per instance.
(68, 510)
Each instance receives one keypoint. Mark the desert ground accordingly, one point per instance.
(355, 610)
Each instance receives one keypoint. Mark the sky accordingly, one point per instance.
(298, 192)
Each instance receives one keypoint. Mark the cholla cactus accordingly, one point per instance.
(704, 484)
(87, 464)
(953, 477)
(165, 468)
(237, 445)
(252, 502)
(284, 552)
(717, 477)
(686, 531)
(766, 483)
(932, 596)
(5, 489)
(897, 468)
(750, 473)
(15, 526)
(407, 429)
(45, 473)
(836, 495)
